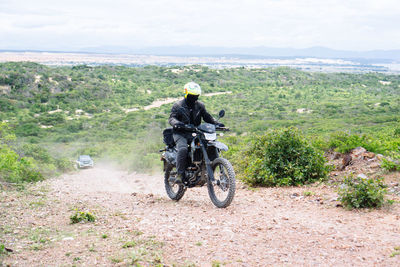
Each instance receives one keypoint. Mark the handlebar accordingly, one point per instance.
(190, 128)
(193, 129)
(224, 129)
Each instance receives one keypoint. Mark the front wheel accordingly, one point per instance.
(222, 190)
(174, 191)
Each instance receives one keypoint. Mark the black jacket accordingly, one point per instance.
(181, 112)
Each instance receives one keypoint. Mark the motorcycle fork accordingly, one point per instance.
(208, 163)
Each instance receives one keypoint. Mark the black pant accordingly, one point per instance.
(181, 142)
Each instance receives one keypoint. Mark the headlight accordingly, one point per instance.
(210, 136)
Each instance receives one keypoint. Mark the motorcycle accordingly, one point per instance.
(205, 165)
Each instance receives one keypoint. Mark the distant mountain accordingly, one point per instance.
(373, 56)
(259, 51)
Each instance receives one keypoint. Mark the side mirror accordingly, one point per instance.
(221, 113)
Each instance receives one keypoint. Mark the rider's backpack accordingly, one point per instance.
(168, 137)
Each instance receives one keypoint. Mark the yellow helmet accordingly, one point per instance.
(192, 88)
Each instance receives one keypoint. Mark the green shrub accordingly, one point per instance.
(37, 152)
(282, 157)
(397, 132)
(2, 249)
(28, 162)
(46, 162)
(344, 142)
(52, 119)
(82, 216)
(392, 164)
(16, 169)
(129, 244)
(362, 192)
(28, 129)
(64, 164)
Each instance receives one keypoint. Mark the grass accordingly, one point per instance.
(135, 258)
(117, 259)
(137, 232)
(308, 193)
(395, 252)
(37, 203)
(129, 244)
(92, 248)
(40, 237)
(6, 229)
(3, 250)
(121, 215)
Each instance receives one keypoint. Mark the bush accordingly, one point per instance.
(16, 169)
(344, 142)
(64, 164)
(2, 249)
(28, 129)
(26, 163)
(391, 164)
(397, 132)
(82, 216)
(362, 192)
(282, 157)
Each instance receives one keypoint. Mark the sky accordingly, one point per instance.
(70, 25)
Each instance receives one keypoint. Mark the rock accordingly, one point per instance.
(335, 155)
(375, 165)
(379, 156)
(68, 238)
(358, 151)
(368, 155)
(362, 176)
(347, 159)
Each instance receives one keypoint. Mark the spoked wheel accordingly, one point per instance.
(174, 191)
(222, 190)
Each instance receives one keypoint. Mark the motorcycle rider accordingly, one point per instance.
(185, 112)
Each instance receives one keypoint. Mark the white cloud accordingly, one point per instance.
(352, 24)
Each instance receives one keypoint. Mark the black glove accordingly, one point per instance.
(220, 125)
(189, 127)
(179, 126)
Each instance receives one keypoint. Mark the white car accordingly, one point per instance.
(84, 161)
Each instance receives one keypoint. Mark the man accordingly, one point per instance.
(184, 112)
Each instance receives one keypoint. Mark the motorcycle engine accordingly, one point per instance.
(197, 156)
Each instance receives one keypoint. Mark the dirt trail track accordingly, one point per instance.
(263, 227)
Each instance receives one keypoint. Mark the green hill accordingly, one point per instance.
(82, 109)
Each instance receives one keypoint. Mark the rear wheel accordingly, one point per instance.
(174, 191)
(222, 190)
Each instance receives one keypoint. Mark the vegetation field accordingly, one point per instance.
(101, 110)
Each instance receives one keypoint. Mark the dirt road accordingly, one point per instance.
(137, 223)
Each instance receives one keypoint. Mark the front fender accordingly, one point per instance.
(219, 145)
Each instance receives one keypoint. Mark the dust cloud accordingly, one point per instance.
(108, 178)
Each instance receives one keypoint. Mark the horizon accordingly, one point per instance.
(259, 52)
